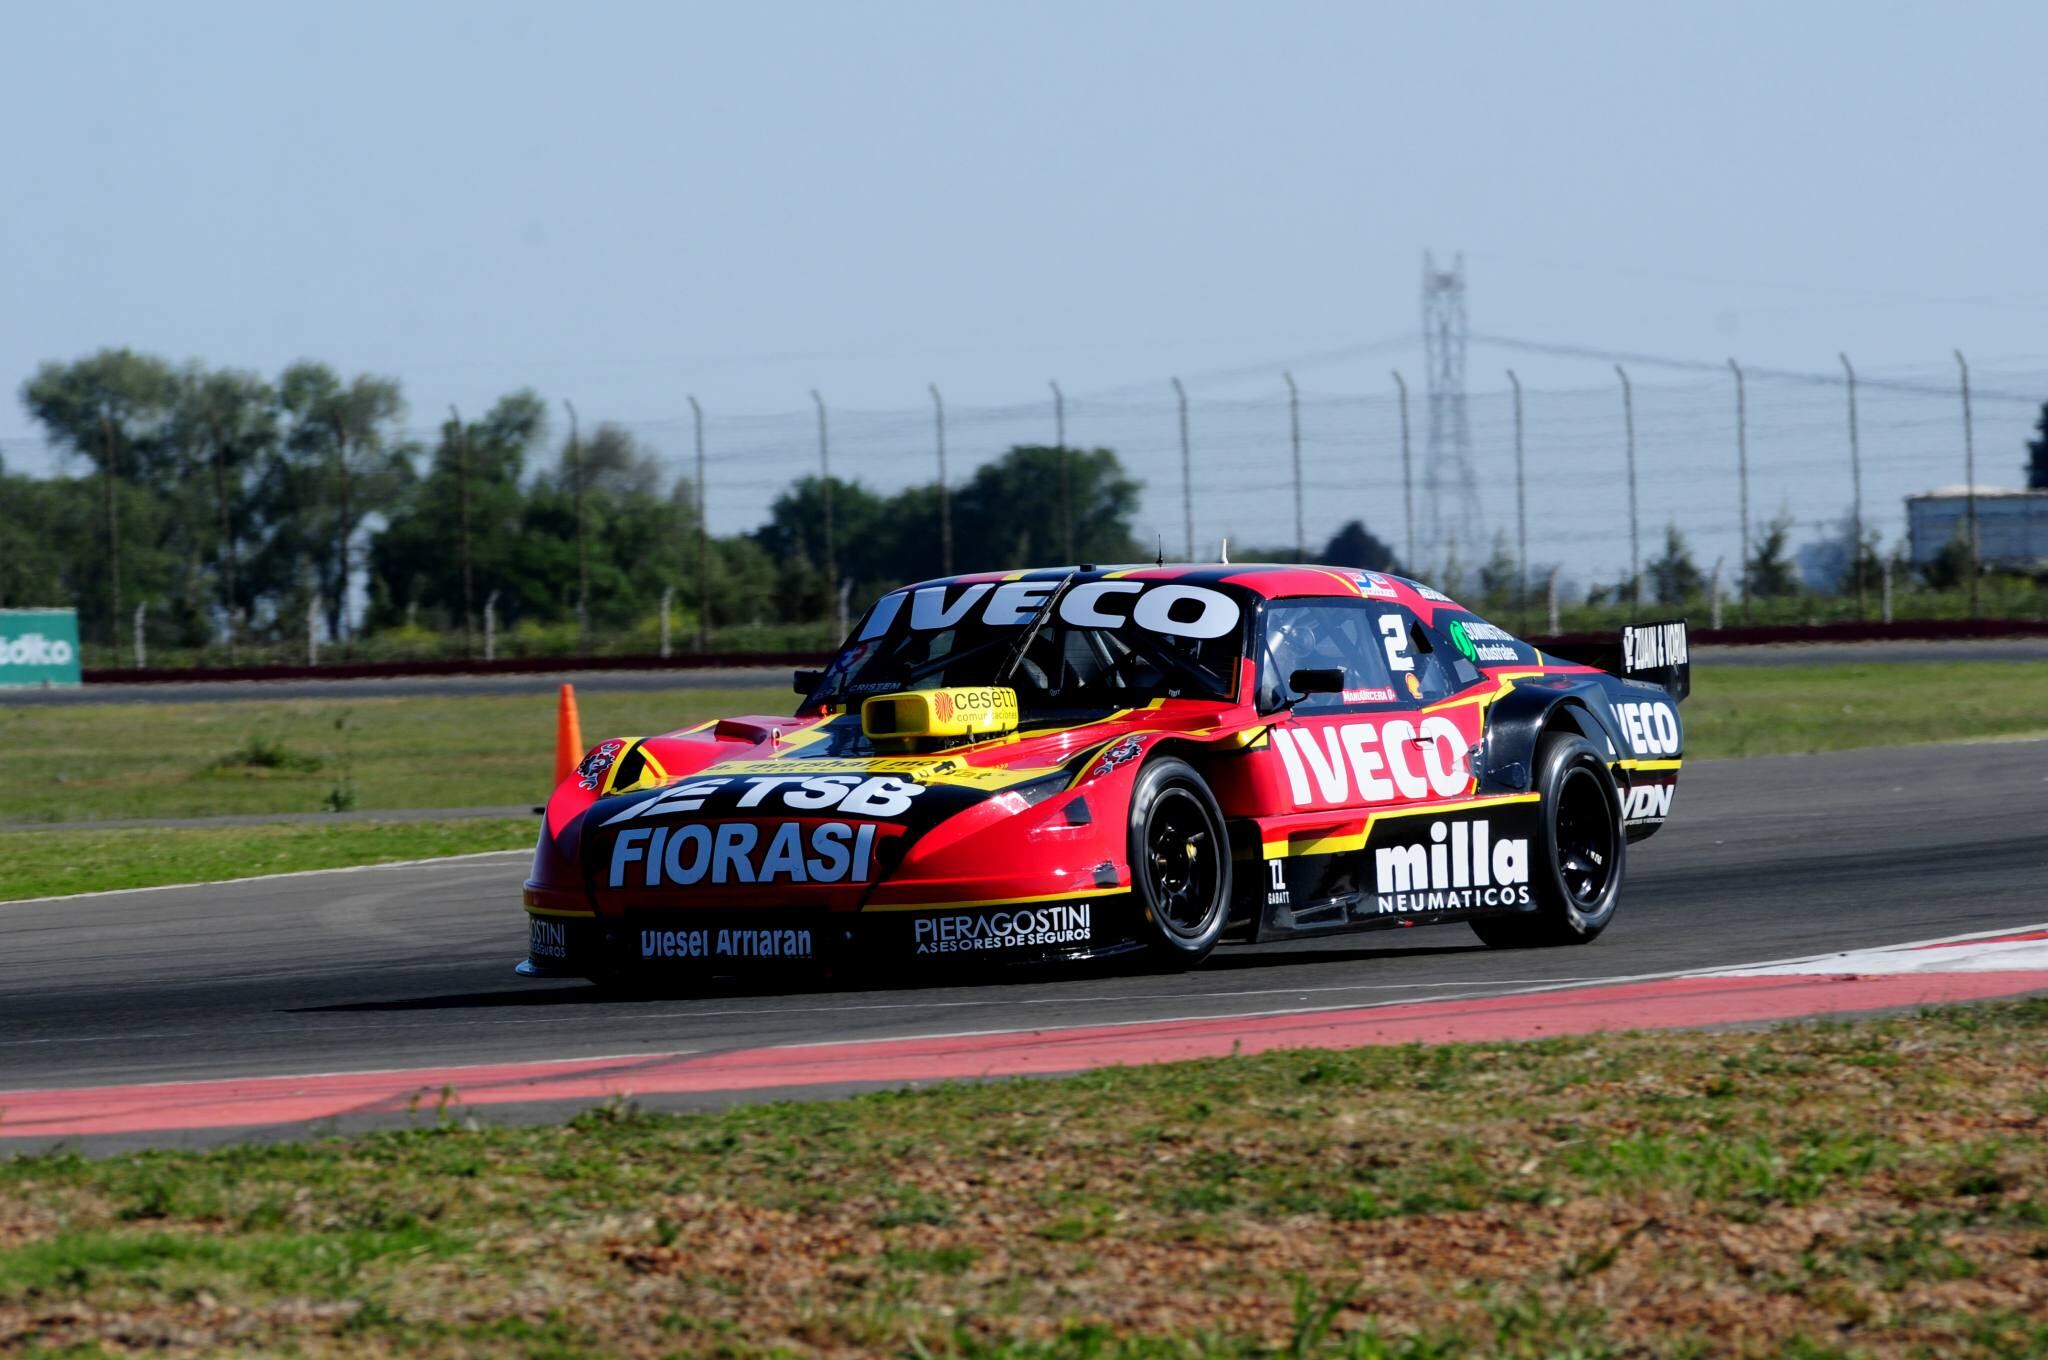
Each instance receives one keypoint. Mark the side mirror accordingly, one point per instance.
(806, 681)
(1319, 681)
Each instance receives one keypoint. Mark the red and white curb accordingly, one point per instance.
(1971, 968)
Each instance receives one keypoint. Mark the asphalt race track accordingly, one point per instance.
(399, 967)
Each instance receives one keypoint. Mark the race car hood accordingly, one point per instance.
(800, 812)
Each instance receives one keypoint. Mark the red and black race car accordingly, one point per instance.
(1082, 762)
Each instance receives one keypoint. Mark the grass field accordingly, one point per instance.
(45, 863)
(252, 757)
(196, 760)
(1634, 1195)
(1777, 710)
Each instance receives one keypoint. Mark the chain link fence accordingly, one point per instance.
(1266, 470)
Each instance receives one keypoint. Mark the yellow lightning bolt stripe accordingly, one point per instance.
(1504, 683)
(1340, 578)
(1340, 840)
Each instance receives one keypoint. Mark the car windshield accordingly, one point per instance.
(1085, 644)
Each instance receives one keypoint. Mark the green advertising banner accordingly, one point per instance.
(39, 647)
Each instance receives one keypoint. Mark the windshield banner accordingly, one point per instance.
(1165, 607)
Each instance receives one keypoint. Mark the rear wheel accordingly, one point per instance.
(1180, 862)
(1577, 878)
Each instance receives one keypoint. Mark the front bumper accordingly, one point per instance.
(705, 943)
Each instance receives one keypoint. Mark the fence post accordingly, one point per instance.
(582, 555)
(1521, 517)
(227, 528)
(491, 626)
(1970, 484)
(113, 533)
(945, 496)
(313, 630)
(668, 597)
(1635, 545)
(461, 435)
(703, 537)
(1885, 587)
(1187, 476)
(825, 483)
(1856, 490)
(141, 647)
(1742, 480)
(1407, 483)
(1550, 602)
(1714, 596)
(1294, 443)
(1059, 427)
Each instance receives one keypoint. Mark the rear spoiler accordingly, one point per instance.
(1656, 652)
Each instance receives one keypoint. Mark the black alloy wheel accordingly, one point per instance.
(1576, 879)
(1588, 837)
(1180, 862)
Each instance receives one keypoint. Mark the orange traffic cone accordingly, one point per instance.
(568, 735)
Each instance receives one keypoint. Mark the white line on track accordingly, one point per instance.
(1548, 985)
(635, 1058)
(1478, 992)
(1496, 989)
(264, 878)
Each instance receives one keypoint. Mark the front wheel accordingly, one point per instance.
(1577, 878)
(1180, 862)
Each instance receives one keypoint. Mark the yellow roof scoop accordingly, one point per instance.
(982, 711)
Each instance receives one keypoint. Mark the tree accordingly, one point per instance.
(1768, 573)
(114, 408)
(476, 467)
(48, 539)
(865, 535)
(1499, 574)
(1836, 564)
(2037, 450)
(347, 464)
(639, 529)
(1674, 577)
(1356, 547)
(227, 421)
(1949, 569)
(1008, 514)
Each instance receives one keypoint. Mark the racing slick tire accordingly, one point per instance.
(1576, 879)
(1180, 863)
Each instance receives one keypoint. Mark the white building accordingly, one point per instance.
(2012, 526)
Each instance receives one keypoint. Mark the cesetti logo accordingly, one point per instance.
(33, 649)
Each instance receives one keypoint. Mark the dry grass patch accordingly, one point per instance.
(1873, 1190)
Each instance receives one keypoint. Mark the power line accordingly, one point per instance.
(1616, 356)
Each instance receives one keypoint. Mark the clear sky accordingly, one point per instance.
(622, 203)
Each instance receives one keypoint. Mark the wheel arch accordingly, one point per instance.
(1519, 721)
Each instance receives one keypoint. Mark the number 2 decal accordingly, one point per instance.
(1396, 630)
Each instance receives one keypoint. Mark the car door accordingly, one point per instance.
(1366, 745)
(1335, 759)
